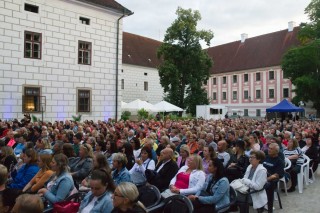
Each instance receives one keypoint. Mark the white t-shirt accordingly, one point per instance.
(90, 205)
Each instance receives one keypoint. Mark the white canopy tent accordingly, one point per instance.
(123, 104)
(164, 106)
(138, 104)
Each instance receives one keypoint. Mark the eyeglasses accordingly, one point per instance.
(116, 195)
(252, 157)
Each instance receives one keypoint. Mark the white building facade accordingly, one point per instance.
(59, 57)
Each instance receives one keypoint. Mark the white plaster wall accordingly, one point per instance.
(58, 72)
(134, 78)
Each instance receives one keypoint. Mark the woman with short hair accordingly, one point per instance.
(120, 172)
(43, 146)
(99, 197)
(125, 199)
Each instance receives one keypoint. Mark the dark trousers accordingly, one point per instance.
(203, 208)
(270, 187)
(294, 175)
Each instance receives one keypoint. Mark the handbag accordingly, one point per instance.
(239, 186)
(66, 206)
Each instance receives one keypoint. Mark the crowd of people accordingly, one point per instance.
(111, 160)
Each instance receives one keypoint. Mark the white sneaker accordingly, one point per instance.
(310, 181)
(266, 207)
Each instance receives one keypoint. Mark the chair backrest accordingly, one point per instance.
(306, 159)
(178, 203)
(149, 195)
(233, 196)
(287, 164)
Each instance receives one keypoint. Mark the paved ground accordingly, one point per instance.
(307, 202)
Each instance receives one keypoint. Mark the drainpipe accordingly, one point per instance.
(117, 60)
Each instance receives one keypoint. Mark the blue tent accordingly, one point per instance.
(285, 106)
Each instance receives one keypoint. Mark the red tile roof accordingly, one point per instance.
(140, 51)
(109, 4)
(257, 52)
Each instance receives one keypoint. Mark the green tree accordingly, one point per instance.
(301, 64)
(185, 66)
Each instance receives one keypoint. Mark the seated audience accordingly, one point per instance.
(61, 183)
(23, 176)
(255, 178)
(82, 166)
(215, 191)
(125, 199)
(165, 170)
(120, 172)
(99, 198)
(238, 162)
(223, 156)
(144, 162)
(189, 179)
(310, 149)
(43, 175)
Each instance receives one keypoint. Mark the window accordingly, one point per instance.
(122, 83)
(258, 112)
(214, 96)
(224, 80)
(84, 54)
(31, 8)
(246, 94)
(215, 111)
(258, 94)
(285, 92)
(271, 93)
(245, 112)
(258, 76)
(32, 45)
(84, 20)
(245, 77)
(235, 79)
(224, 95)
(145, 73)
(234, 95)
(214, 81)
(271, 75)
(146, 86)
(84, 100)
(31, 99)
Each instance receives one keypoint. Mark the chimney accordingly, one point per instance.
(244, 36)
(291, 25)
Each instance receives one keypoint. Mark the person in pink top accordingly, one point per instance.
(190, 178)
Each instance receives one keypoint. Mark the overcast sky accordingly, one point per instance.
(228, 19)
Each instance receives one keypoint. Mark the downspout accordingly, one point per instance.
(117, 61)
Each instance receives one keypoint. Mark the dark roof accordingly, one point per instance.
(140, 51)
(109, 4)
(257, 52)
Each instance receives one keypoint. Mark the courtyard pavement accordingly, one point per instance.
(307, 202)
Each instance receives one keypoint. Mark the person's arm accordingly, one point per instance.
(84, 170)
(45, 177)
(23, 179)
(64, 188)
(151, 166)
(259, 182)
(226, 158)
(218, 193)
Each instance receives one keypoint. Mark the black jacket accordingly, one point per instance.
(164, 176)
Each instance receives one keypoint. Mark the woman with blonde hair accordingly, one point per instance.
(43, 146)
(43, 175)
(125, 199)
(189, 179)
(82, 166)
(184, 154)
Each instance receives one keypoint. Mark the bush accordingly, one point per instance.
(142, 114)
(125, 115)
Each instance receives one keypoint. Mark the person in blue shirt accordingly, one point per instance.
(120, 172)
(22, 177)
(215, 192)
(99, 198)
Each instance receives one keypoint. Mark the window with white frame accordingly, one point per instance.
(245, 77)
(224, 80)
(245, 94)
(286, 92)
(214, 96)
(32, 45)
(224, 95)
(245, 112)
(271, 75)
(146, 86)
(258, 112)
(258, 77)
(271, 93)
(214, 81)
(84, 53)
(235, 79)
